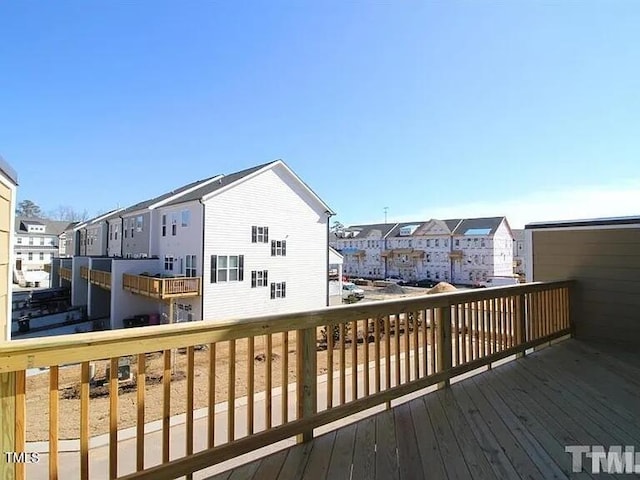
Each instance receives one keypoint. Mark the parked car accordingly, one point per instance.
(394, 279)
(351, 291)
(499, 282)
(424, 283)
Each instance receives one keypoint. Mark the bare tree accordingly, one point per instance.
(29, 209)
(68, 214)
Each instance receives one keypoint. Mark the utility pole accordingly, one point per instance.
(385, 214)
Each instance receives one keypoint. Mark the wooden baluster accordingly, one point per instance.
(455, 333)
(140, 393)
(166, 404)
(250, 383)
(416, 345)
(231, 393)
(376, 335)
(285, 377)
(84, 421)
(365, 351)
(407, 347)
(343, 367)
(432, 339)
(54, 412)
(397, 346)
(354, 360)
(113, 418)
(330, 345)
(211, 414)
(189, 412)
(387, 352)
(268, 401)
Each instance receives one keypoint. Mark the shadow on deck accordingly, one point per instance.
(511, 422)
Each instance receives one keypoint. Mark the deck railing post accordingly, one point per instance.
(306, 376)
(444, 358)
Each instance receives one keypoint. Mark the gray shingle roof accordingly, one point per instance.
(365, 230)
(8, 171)
(146, 203)
(198, 193)
(51, 227)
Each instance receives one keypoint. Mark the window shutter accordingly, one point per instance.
(241, 268)
(254, 274)
(273, 248)
(284, 289)
(214, 268)
(266, 234)
(254, 234)
(284, 248)
(265, 281)
(273, 291)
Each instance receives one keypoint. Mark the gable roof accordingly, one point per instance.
(225, 181)
(395, 232)
(478, 226)
(222, 182)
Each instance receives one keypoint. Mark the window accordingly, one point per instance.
(174, 223)
(51, 256)
(437, 242)
(259, 234)
(227, 268)
(482, 242)
(30, 240)
(278, 248)
(259, 278)
(186, 217)
(446, 242)
(110, 232)
(41, 255)
(428, 242)
(278, 290)
(190, 269)
(457, 242)
(168, 263)
(115, 231)
(164, 225)
(139, 223)
(126, 231)
(19, 240)
(30, 255)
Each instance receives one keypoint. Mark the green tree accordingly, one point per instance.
(29, 209)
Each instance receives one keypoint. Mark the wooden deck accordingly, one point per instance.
(510, 422)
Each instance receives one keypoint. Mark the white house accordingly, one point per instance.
(463, 251)
(250, 243)
(8, 185)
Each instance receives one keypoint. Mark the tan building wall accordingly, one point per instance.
(605, 260)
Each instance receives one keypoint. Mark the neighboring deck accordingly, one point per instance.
(511, 422)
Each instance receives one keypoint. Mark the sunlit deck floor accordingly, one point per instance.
(511, 422)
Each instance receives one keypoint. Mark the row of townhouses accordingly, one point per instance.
(461, 251)
(249, 243)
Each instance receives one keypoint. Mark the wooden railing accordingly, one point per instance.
(84, 273)
(100, 278)
(270, 377)
(162, 288)
(65, 273)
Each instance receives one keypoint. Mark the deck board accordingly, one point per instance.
(513, 421)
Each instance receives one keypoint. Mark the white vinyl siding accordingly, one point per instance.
(271, 199)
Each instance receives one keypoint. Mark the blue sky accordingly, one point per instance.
(432, 109)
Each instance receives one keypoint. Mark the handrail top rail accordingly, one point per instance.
(38, 352)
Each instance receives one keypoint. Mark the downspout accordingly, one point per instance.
(329, 215)
(202, 263)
